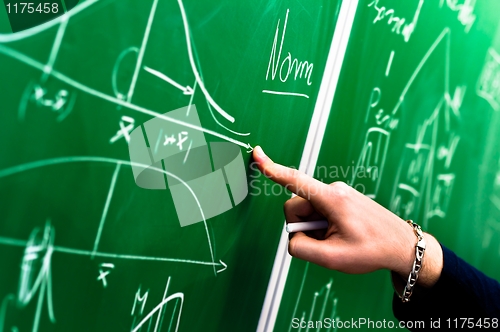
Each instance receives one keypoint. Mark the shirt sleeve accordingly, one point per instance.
(462, 291)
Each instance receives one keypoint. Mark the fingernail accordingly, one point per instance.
(260, 153)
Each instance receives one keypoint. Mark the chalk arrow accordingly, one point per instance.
(249, 148)
(223, 264)
(187, 90)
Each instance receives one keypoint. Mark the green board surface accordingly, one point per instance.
(82, 247)
(419, 104)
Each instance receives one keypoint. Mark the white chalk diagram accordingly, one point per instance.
(155, 319)
(424, 180)
(436, 141)
(40, 247)
(35, 283)
(432, 149)
(323, 304)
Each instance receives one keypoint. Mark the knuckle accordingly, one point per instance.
(339, 189)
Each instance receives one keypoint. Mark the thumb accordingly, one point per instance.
(297, 182)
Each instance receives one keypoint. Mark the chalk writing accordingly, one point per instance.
(317, 310)
(382, 118)
(287, 66)
(159, 310)
(104, 270)
(181, 138)
(372, 159)
(140, 302)
(399, 25)
(411, 179)
(442, 194)
(134, 51)
(35, 277)
(187, 90)
(389, 64)
(60, 102)
(126, 127)
(465, 11)
(406, 196)
(488, 85)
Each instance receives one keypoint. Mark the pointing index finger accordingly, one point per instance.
(297, 182)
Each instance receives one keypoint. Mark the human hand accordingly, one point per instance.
(362, 235)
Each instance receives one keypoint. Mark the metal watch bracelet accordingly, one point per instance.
(417, 263)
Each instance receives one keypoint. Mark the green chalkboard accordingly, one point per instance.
(83, 247)
(418, 103)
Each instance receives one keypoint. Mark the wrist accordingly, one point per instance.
(405, 252)
(432, 263)
(426, 269)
